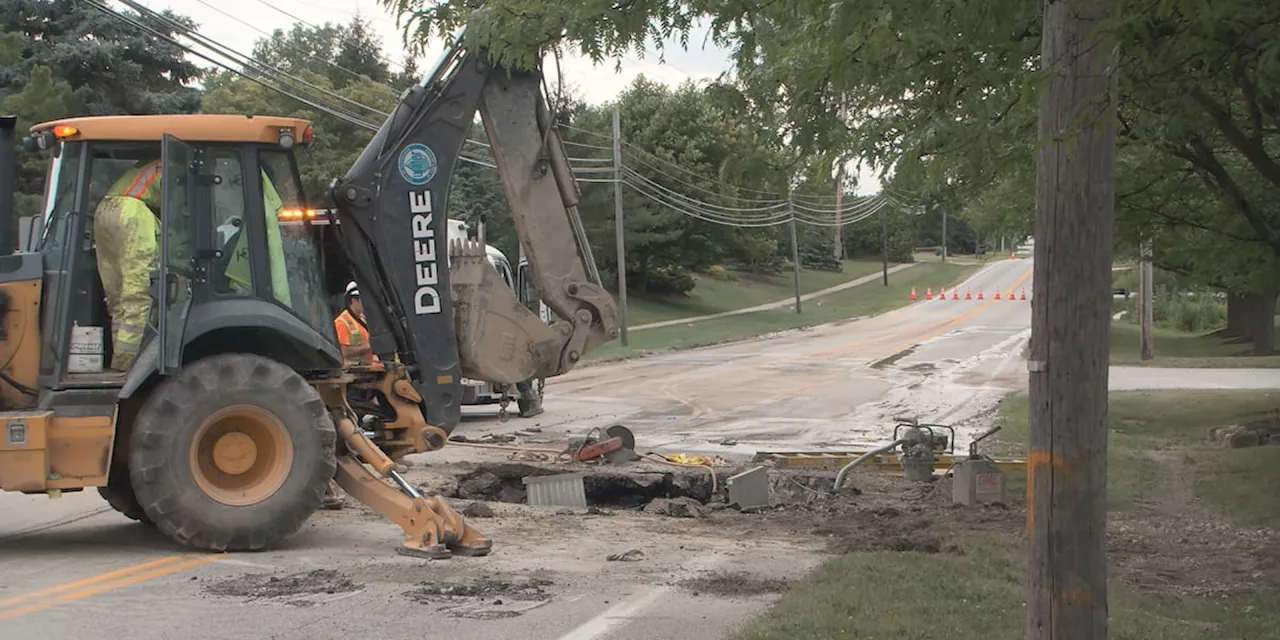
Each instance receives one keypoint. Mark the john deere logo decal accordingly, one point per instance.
(418, 164)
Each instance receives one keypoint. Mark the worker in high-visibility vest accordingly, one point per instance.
(127, 235)
(238, 267)
(126, 232)
(353, 336)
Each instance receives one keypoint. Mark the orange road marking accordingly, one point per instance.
(98, 584)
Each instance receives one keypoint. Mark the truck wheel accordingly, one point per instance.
(232, 454)
(119, 494)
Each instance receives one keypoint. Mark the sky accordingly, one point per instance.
(250, 20)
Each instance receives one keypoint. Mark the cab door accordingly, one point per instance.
(179, 269)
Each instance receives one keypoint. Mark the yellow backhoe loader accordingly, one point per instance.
(235, 413)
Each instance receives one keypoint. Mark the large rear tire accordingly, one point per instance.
(119, 494)
(232, 454)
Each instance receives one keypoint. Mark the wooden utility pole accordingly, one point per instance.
(944, 232)
(1146, 286)
(884, 243)
(617, 225)
(839, 247)
(1070, 328)
(795, 245)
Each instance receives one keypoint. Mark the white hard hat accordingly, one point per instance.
(352, 289)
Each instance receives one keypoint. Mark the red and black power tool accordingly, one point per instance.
(617, 446)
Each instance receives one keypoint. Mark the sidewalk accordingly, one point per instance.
(774, 305)
(1150, 378)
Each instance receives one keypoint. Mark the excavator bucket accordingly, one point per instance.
(499, 339)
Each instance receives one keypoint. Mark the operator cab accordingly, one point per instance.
(235, 279)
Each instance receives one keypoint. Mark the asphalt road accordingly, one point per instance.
(832, 387)
(73, 569)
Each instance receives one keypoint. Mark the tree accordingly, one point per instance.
(690, 156)
(61, 58)
(342, 53)
(337, 141)
(123, 69)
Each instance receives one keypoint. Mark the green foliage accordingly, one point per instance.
(1178, 302)
(722, 274)
(683, 144)
(948, 95)
(60, 58)
(669, 279)
(343, 53)
(120, 68)
(304, 52)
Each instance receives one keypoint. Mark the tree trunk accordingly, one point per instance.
(1235, 316)
(1258, 321)
(642, 282)
(1067, 456)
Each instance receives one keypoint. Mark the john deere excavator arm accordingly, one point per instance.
(444, 311)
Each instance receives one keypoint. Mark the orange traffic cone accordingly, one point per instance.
(928, 293)
(979, 294)
(913, 293)
(955, 293)
(1012, 297)
(1024, 294)
(997, 297)
(967, 295)
(1013, 256)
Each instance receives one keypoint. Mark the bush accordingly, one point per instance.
(1198, 315)
(669, 279)
(718, 272)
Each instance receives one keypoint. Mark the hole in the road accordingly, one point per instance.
(605, 488)
(880, 364)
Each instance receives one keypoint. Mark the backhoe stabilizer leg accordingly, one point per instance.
(432, 528)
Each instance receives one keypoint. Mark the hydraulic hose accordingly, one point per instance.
(874, 452)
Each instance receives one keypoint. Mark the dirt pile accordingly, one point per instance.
(259, 586)
(484, 598)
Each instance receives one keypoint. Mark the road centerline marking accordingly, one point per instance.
(93, 585)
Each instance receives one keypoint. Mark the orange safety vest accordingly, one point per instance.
(351, 333)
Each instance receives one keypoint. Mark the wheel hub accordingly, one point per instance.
(241, 455)
(234, 453)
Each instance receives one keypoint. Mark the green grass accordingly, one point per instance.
(866, 299)
(1173, 348)
(713, 296)
(1145, 426)
(979, 594)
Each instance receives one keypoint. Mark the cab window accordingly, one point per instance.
(232, 272)
(293, 243)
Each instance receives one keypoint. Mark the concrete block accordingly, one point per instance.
(750, 488)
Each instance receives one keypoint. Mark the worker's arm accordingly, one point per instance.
(361, 352)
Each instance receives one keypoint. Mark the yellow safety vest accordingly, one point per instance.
(140, 182)
(238, 267)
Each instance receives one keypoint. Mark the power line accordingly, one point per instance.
(772, 214)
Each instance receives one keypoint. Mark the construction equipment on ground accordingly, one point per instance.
(978, 478)
(617, 446)
(233, 417)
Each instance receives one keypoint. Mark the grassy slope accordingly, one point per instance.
(979, 594)
(716, 296)
(867, 299)
(1177, 349)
